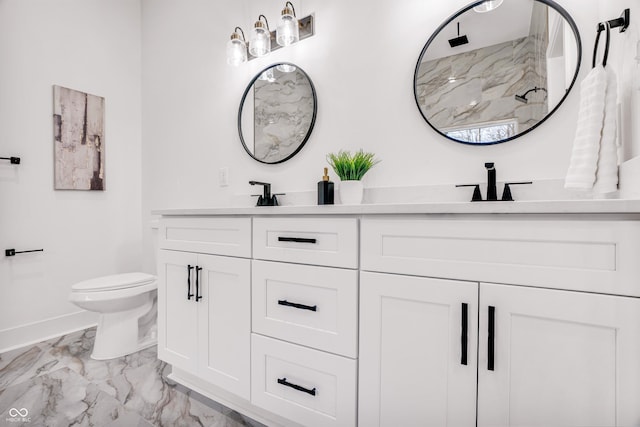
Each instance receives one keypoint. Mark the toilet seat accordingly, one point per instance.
(114, 282)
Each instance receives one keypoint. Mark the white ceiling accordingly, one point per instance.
(510, 21)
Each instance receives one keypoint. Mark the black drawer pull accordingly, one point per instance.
(491, 340)
(296, 305)
(284, 381)
(189, 294)
(198, 296)
(464, 333)
(296, 239)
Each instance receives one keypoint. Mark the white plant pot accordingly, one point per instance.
(351, 192)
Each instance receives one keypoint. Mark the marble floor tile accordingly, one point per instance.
(64, 398)
(60, 385)
(29, 362)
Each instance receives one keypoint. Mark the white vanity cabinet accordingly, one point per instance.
(545, 356)
(377, 318)
(305, 319)
(204, 300)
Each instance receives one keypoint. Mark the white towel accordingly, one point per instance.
(607, 173)
(594, 158)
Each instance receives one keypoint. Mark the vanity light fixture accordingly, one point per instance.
(287, 32)
(260, 39)
(487, 6)
(236, 48)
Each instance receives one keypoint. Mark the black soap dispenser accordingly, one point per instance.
(325, 189)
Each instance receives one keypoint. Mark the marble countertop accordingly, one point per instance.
(613, 206)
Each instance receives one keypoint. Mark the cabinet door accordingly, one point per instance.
(177, 315)
(224, 319)
(560, 358)
(411, 349)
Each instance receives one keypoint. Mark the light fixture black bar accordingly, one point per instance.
(13, 252)
(306, 28)
(622, 22)
(13, 160)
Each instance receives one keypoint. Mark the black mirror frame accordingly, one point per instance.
(549, 3)
(311, 125)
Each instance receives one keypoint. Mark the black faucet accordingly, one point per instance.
(266, 199)
(492, 193)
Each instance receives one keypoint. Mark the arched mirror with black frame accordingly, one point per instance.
(277, 113)
(495, 70)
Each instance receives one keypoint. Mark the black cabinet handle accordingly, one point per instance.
(296, 305)
(296, 239)
(464, 333)
(491, 339)
(189, 294)
(284, 381)
(198, 296)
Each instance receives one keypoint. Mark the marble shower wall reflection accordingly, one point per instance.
(283, 112)
(479, 86)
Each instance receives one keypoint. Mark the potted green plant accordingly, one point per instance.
(351, 168)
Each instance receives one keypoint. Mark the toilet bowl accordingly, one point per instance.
(122, 300)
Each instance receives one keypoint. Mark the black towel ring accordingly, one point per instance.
(604, 27)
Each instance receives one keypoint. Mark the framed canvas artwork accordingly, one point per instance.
(78, 128)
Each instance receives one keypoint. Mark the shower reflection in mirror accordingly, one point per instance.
(484, 78)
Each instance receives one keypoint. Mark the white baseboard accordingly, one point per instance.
(42, 330)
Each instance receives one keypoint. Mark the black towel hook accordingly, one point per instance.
(604, 27)
(622, 22)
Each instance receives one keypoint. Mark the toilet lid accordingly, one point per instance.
(114, 282)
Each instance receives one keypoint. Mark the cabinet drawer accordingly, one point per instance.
(217, 236)
(320, 241)
(311, 387)
(577, 254)
(308, 305)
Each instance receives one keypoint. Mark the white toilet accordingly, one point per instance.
(122, 301)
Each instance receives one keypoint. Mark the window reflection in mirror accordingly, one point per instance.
(277, 113)
(515, 66)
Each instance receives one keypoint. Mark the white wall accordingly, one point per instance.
(361, 61)
(92, 46)
(624, 57)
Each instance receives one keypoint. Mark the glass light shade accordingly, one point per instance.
(286, 68)
(268, 76)
(260, 42)
(487, 6)
(287, 31)
(236, 52)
